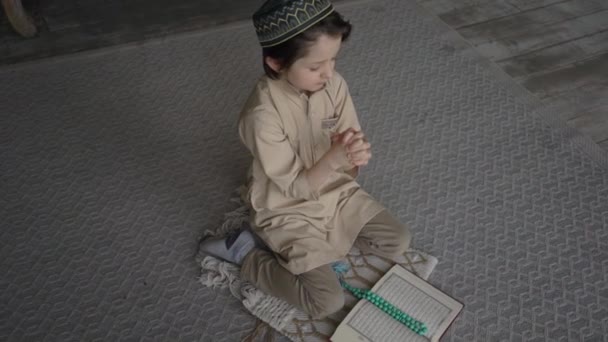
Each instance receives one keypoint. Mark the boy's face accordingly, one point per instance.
(311, 72)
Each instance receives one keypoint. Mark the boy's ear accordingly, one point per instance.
(273, 63)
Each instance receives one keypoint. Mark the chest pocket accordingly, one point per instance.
(329, 124)
(328, 119)
(325, 129)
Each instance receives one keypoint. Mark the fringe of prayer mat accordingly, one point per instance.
(364, 271)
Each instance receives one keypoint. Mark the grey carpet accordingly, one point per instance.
(112, 164)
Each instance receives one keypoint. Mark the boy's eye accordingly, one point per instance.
(314, 69)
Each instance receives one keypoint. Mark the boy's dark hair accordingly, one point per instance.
(288, 52)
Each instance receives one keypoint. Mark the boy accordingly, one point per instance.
(302, 130)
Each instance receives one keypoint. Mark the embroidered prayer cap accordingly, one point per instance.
(280, 20)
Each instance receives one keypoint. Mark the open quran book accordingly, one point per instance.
(412, 295)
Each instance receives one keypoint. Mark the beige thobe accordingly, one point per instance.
(287, 132)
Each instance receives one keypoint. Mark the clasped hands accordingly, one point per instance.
(350, 148)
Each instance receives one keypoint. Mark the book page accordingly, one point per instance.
(413, 296)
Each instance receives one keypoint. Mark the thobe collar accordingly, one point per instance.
(291, 89)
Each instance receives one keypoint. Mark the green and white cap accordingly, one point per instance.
(280, 20)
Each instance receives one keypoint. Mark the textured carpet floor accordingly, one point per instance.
(112, 164)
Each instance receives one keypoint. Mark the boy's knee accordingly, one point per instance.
(327, 307)
(400, 242)
(328, 303)
(404, 240)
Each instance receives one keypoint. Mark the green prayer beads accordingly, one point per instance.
(414, 325)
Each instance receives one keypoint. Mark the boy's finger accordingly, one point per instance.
(347, 137)
(360, 155)
(359, 146)
(354, 146)
(365, 158)
(360, 163)
(357, 136)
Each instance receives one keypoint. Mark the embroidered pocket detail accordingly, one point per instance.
(329, 124)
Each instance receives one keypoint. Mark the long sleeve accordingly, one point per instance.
(262, 134)
(346, 113)
(345, 108)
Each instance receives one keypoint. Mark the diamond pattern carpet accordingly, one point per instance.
(113, 163)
